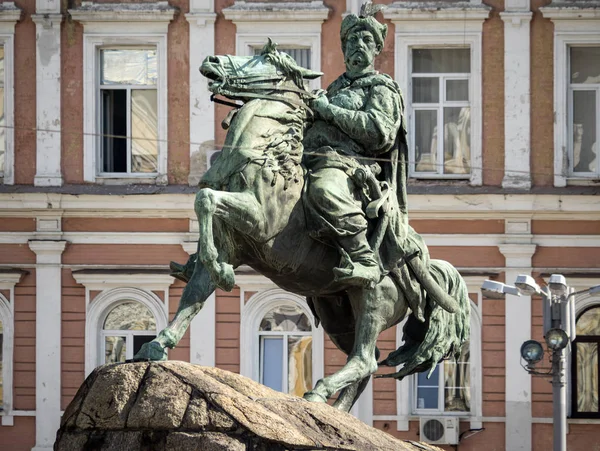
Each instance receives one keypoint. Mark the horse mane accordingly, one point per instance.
(285, 64)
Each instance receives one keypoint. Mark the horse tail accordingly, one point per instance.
(441, 335)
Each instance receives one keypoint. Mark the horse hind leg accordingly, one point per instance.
(198, 289)
(374, 311)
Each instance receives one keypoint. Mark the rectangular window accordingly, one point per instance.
(448, 389)
(129, 111)
(584, 111)
(440, 97)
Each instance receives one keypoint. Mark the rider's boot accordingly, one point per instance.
(359, 266)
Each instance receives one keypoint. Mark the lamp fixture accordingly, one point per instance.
(556, 339)
(532, 351)
(497, 290)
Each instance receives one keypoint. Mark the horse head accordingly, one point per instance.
(242, 77)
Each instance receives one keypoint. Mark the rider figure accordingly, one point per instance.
(356, 121)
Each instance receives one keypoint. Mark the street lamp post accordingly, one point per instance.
(559, 331)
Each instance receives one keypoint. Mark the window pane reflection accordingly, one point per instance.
(144, 130)
(129, 66)
(286, 318)
(425, 140)
(457, 140)
(115, 349)
(426, 90)
(585, 64)
(299, 365)
(589, 322)
(428, 390)
(585, 142)
(130, 316)
(587, 377)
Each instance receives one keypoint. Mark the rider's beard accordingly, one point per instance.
(357, 60)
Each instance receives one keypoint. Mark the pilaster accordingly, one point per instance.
(47, 21)
(47, 340)
(518, 429)
(517, 90)
(202, 111)
(203, 326)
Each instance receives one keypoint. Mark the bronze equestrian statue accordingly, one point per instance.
(310, 191)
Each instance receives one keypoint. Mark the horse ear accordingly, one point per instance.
(270, 47)
(309, 74)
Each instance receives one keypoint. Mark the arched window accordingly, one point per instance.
(126, 328)
(585, 365)
(281, 347)
(119, 321)
(285, 337)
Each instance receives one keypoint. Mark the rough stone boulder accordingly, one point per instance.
(180, 406)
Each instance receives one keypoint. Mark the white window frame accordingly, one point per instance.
(99, 308)
(573, 27)
(9, 16)
(114, 288)
(124, 27)
(8, 280)
(128, 334)
(288, 26)
(438, 107)
(406, 388)
(444, 27)
(252, 314)
(582, 303)
(128, 88)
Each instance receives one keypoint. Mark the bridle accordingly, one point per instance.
(248, 85)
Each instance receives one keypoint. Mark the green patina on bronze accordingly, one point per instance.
(310, 190)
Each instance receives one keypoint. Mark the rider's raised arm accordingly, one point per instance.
(376, 127)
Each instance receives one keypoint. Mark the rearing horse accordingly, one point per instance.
(250, 212)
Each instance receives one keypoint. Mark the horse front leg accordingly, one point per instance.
(197, 290)
(374, 311)
(241, 212)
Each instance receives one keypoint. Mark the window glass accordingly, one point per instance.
(285, 318)
(128, 325)
(584, 111)
(457, 383)
(428, 389)
(440, 96)
(144, 131)
(585, 65)
(448, 389)
(585, 142)
(129, 67)
(589, 322)
(129, 117)
(430, 61)
(285, 336)
(130, 316)
(587, 377)
(586, 365)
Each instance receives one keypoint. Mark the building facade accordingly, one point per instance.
(503, 108)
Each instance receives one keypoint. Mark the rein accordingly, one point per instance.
(248, 84)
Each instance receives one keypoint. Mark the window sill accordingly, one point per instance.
(132, 180)
(583, 181)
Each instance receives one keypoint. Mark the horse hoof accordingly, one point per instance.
(152, 351)
(313, 396)
(225, 277)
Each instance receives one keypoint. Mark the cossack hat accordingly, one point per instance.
(364, 21)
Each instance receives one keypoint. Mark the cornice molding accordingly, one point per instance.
(577, 10)
(436, 10)
(105, 279)
(9, 12)
(243, 11)
(123, 12)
